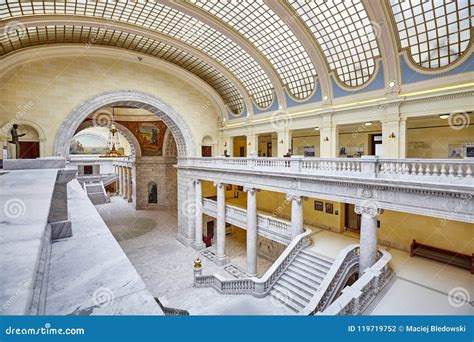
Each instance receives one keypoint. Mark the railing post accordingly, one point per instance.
(295, 165)
(369, 166)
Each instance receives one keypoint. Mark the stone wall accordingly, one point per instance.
(269, 249)
(159, 170)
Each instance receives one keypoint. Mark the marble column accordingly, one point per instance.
(297, 226)
(368, 236)
(125, 183)
(221, 258)
(120, 168)
(198, 243)
(129, 184)
(251, 231)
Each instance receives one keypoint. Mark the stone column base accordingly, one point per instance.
(221, 261)
(199, 246)
(184, 240)
(61, 229)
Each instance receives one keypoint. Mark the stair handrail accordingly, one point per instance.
(347, 259)
(356, 298)
(257, 287)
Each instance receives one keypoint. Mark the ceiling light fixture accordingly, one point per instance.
(444, 116)
(368, 123)
(316, 128)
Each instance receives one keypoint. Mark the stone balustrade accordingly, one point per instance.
(257, 287)
(356, 298)
(268, 226)
(425, 170)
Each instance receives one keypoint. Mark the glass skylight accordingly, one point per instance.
(436, 33)
(257, 22)
(345, 34)
(165, 20)
(104, 36)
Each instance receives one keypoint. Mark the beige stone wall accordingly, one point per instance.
(159, 170)
(46, 91)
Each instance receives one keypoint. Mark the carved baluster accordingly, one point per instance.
(420, 169)
(427, 170)
(460, 171)
(451, 170)
(468, 171)
(435, 170)
(443, 169)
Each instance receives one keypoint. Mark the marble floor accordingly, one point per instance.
(166, 266)
(149, 239)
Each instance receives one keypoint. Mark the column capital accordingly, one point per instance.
(218, 185)
(370, 210)
(297, 198)
(251, 190)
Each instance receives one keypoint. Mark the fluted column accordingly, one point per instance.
(251, 231)
(296, 214)
(129, 183)
(198, 244)
(221, 258)
(368, 236)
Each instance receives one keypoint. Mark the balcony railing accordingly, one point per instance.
(419, 170)
(270, 227)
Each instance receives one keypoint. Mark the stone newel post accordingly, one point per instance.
(221, 258)
(297, 226)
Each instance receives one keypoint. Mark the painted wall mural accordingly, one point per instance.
(150, 136)
(88, 144)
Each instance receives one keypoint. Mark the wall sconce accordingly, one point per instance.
(281, 141)
(326, 139)
(249, 143)
(316, 128)
(225, 143)
(391, 135)
(368, 123)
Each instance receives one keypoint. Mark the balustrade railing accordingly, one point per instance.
(427, 170)
(356, 298)
(267, 226)
(257, 287)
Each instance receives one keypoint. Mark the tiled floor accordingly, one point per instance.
(149, 240)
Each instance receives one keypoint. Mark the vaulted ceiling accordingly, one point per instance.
(253, 49)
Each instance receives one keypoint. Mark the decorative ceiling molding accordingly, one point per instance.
(57, 20)
(39, 52)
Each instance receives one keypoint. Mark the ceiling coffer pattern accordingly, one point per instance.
(346, 35)
(259, 24)
(103, 36)
(167, 21)
(435, 33)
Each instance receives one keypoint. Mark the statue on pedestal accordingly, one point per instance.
(15, 139)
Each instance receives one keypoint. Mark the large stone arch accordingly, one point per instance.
(177, 126)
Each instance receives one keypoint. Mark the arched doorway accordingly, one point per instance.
(173, 120)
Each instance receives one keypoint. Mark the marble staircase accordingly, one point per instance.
(96, 193)
(301, 280)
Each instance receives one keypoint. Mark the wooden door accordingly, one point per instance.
(206, 151)
(351, 219)
(29, 149)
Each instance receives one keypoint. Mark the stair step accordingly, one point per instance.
(275, 294)
(308, 288)
(301, 278)
(294, 287)
(288, 298)
(305, 271)
(326, 260)
(315, 260)
(312, 268)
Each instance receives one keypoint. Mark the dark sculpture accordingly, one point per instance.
(15, 139)
(152, 194)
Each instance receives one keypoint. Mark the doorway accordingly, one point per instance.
(209, 234)
(351, 219)
(206, 151)
(29, 149)
(376, 145)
